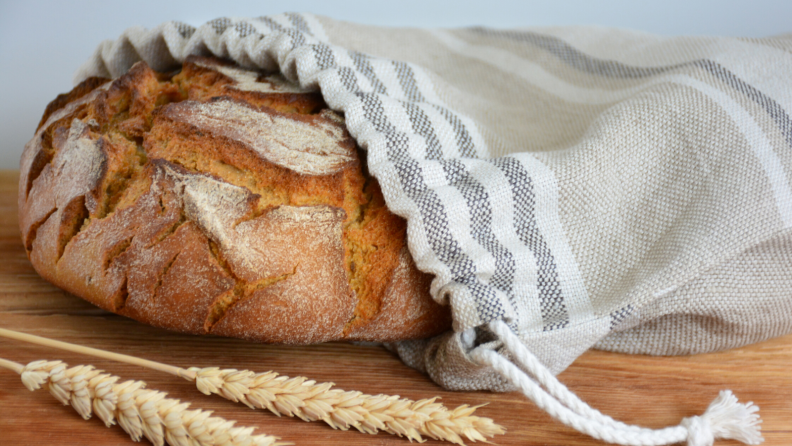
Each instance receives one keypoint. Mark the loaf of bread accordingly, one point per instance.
(218, 200)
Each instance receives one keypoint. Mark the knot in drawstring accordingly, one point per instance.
(699, 431)
(725, 418)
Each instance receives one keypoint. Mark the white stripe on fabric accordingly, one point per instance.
(532, 73)
(307, 69)
(426, 86)
(394, 116)
(334, 93)
(383, 70)
(316, 27)
(757, 140)
(548, 220)
(731, 53)
(537, 76)
(451, 198)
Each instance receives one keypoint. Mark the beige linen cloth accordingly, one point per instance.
(569, 188)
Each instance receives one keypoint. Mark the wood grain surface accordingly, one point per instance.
(651, 391)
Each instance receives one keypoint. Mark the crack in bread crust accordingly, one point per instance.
(115, 251)
(242, 290)
(163, 273)
(218, 200)
(118, 301)
(169, 230)
(72, 218)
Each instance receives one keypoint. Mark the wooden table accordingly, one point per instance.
(652, 391)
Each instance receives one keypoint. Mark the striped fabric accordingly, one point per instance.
(590, 187)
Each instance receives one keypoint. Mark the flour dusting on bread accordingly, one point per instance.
(218, 200)
(79, 166)
(310, 148)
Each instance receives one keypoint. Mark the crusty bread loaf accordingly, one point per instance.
(218, 200)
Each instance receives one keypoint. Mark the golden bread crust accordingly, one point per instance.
(218, 200)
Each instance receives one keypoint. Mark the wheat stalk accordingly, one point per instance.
(141, 412)
(341, 409)
(310, 401)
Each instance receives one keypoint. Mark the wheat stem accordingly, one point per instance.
(141, 412)
(11, 365)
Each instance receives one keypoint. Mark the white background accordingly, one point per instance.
(43, 43)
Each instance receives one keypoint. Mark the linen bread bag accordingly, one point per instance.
(567, 188)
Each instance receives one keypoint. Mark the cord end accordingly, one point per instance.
(725, 418)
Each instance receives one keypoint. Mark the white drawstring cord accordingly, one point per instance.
(534, 367)
(725, 417)
(557, 410)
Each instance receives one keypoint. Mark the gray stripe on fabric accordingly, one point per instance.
(464, 141)
(363, 65)
(299, 22)
(407, 80)
(478, 202)
(616, 317)
(770, 106)
(423, 127)
(220, 24)
(576, 58)
(244, 29)
(432, 212)
(582, 61)
(273, 25)
(296, 36)
(348, 78)
(324, 56)
(551, 299)
(185, 30)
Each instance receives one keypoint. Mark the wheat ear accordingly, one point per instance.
(310, 401)
(139, 411)
(341, 409)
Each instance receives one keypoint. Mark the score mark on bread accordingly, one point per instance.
(311, 147)
(218, 200)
